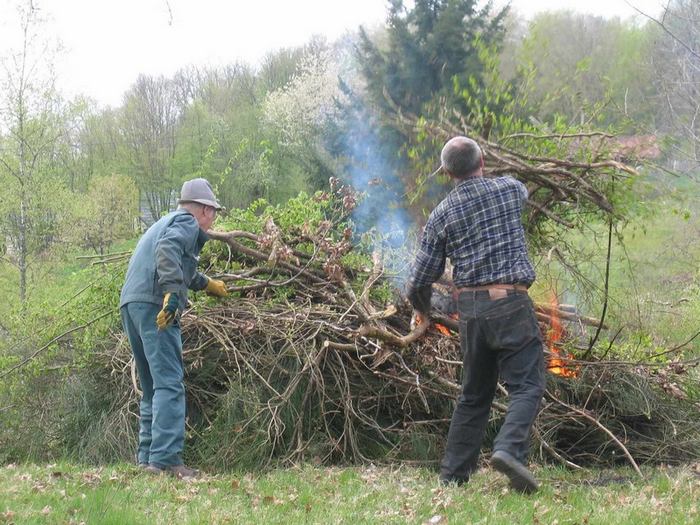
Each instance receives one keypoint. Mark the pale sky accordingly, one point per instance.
(108, 43)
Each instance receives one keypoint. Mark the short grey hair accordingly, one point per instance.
(461, 156)
(191, 206)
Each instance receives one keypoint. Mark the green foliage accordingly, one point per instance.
(35, 213)
(412, 68)
(298, 213)
(51, 400)
(228, 444)
(575, 63)
(107, 212)
(429, 46)
(148, 122)
(653, 293)
(501, 111)
(577, 74)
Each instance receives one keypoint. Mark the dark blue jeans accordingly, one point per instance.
(158, 357)
(497, 337)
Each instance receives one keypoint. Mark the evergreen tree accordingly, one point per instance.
(430, 49)
(422, 62)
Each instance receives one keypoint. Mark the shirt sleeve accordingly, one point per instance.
(199, 282)
(522, 188)
(428, 267)
(169, 251)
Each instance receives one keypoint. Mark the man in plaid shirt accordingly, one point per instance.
(478, 226)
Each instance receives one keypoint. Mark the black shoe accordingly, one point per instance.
(521, 479)
(452, 482)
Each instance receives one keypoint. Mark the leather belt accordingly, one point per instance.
(496, 291)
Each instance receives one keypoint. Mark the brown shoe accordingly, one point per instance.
(177, 471)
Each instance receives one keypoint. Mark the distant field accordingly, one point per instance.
(67, 493)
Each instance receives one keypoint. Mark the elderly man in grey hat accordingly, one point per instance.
(161, 270)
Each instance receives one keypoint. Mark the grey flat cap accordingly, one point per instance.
(199, 190)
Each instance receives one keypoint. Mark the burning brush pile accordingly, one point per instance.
(312, 358)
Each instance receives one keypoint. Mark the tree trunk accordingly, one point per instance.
(22, 234)
(22, 265)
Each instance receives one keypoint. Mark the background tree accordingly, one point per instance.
(584, 67)
(424, 59)
(148, 122)
(677, 79)
(302, 115)
(107, 212)
(428, 51)
(34, 200)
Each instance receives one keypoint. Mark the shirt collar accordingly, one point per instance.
(469, 181)
(202, 236)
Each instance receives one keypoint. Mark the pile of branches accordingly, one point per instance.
(568, 175)
(309, 359)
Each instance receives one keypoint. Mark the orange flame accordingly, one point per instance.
(439, 327)
(556, 364)
(443, 329)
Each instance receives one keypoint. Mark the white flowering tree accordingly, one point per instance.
(303, 111)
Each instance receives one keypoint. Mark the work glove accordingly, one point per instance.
(167, 314)
(216, 287)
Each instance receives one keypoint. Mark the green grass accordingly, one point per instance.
(121, 494)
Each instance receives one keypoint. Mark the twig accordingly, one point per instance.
(665, 29)
(47, 345)
(602, 427)
(396, 340)
(605, 291)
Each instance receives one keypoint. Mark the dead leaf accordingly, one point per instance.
(92, 478)
(235, 484)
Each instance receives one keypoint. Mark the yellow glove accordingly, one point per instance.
(167, 314)
(216, 287)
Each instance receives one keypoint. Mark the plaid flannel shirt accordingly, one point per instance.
(479, 227)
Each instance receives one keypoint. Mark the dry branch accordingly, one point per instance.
(329, 372)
